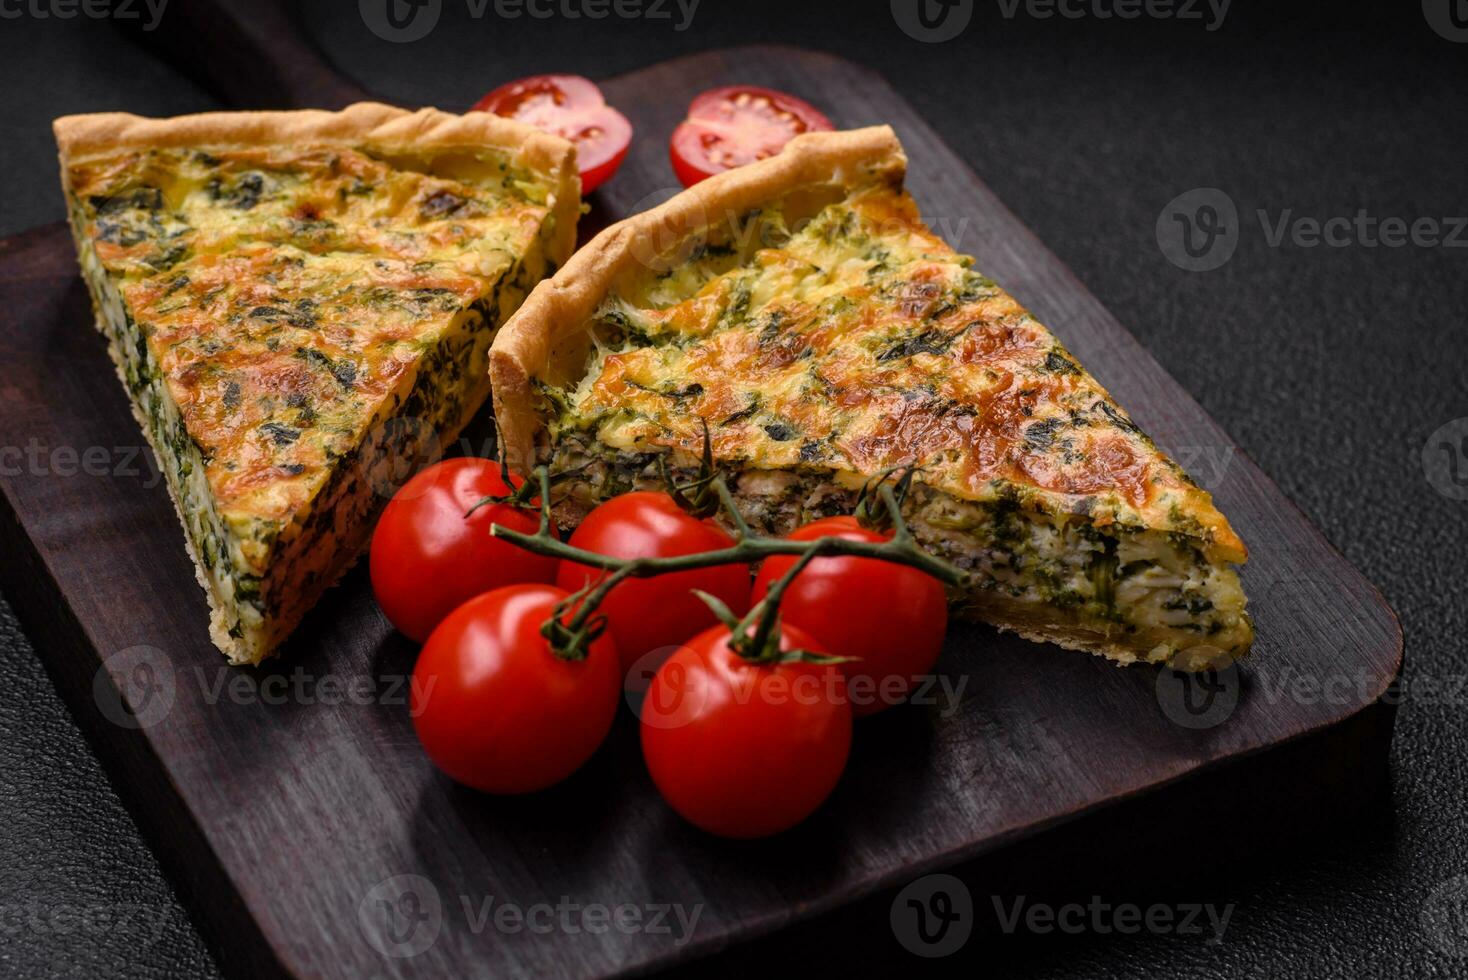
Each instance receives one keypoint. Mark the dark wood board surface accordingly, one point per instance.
(286, 804)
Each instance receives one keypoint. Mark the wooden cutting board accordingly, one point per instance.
(310, 835)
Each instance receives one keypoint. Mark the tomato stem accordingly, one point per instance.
(522, 497)
(760, 647)
(694, 498)
(872, 509)
(569, 638)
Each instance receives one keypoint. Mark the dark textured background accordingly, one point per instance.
(1330, 366)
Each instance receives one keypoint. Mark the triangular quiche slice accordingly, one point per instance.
(295, 301)
(800, 307)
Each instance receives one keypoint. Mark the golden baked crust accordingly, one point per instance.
(296, 301)
(802, 310)
(545, 340)
(539, 342)
(367, 124)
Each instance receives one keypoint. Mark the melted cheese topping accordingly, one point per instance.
(285, 293)
(860, 342)
(295, 326)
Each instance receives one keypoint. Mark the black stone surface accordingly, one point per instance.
(1331, 366)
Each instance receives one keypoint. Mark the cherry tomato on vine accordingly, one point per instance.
(889, 617)
(738, 124)
(648, 614)
(573, 107)
(427, 558)
(496, 709)
(745, 749)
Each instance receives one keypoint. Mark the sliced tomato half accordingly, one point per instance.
(573, 107)
(738, 124)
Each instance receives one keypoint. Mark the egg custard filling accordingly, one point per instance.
(298, 304)
(824, 335)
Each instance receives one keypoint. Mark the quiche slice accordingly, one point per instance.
(802, 310)
(297, 302)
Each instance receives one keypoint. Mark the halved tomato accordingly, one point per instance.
(573, 107)
(738, 124)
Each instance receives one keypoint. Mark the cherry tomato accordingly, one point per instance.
(495, 709)
(573, 107)
(426, 558)
(738, 124)
(891, 617)
(645, 615)
(744, 749)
